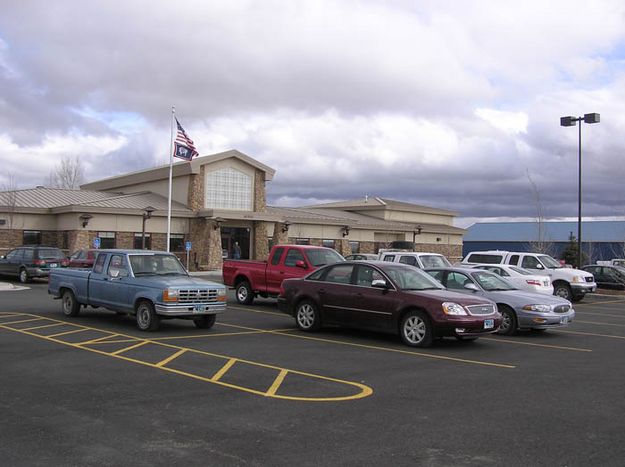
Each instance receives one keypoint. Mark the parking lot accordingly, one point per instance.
(253, 390)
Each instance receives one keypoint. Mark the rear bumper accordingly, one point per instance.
(190, 309)
(38, 272)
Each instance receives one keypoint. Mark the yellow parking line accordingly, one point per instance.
(171, 357)
(600, 324)
(43, 326)
(254, 310)
(607, 302)
(557, 347)
(68, 332)
(9, 314)
(386, 349)
(599, 314)
(97, 341)
(21, 321)
(590, 334)
(277, 382)
(222, 334)
(125, 349)
(116, 341)
(217, 376)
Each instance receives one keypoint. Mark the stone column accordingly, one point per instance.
(280, 237)
(261, 249)
(215, 261)
(342, 246)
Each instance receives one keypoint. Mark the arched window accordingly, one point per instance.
(229, 189)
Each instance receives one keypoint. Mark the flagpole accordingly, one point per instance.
(171, 169)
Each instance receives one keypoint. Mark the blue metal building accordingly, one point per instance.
(601, 240)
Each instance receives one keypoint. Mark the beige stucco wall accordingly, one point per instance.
(121, 223)
(179, 188)
(402, 216)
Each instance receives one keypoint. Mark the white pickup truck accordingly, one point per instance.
(415, 258)
(572, 284)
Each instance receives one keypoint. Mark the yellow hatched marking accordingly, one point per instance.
(252, 310)
(98, 340)
(533, 344)
(590, 334)
(43, 326)
(277, 382)
(115, 341)
(600, 324)
(217, 376)
(170, 358)
(9, 315)
(126, 349)
(221, 334)
(22, 321)
(73, 331)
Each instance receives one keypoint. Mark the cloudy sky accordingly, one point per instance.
(451, 104)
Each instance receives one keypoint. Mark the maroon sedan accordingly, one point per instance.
(82, 258)
(388, 297)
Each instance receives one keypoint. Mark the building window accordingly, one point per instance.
(355, 246)
(228, 189)
(176, 242)
(302, 241)
(107, 239)
(328, 243)
(138, 241)
(32, 237)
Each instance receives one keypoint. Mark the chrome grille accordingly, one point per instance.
(590, 279)
(481, 309)
(197, 295)
(561, 308)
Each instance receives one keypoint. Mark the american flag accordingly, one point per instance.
(183, 145)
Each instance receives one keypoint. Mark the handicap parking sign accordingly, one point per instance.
(187, 246)
(96, 242)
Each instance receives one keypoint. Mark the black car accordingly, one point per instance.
(26, 262)
(607, 277)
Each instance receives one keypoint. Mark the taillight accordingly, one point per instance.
(39, 262)
(533, 282)
(65, 262)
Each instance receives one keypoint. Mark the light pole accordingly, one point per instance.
(571, 121)
(147, 213)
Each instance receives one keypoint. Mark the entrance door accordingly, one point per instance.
(231, 237)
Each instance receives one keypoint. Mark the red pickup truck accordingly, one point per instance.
(251, 278)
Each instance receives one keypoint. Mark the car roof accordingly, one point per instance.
(457, 269)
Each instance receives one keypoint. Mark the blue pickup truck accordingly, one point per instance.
(151, 285)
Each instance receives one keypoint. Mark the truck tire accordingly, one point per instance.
(69, 304)
(244, 293)
(562, 289)
(147, 319)
(205, 322)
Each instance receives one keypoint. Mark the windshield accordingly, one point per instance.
(434, 261)
(50, 253)
(320, 257)
(549, 262)
(408, 278)
(492, 282)
(523, 272)
(156, 265)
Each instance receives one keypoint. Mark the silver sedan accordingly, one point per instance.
(520, 309)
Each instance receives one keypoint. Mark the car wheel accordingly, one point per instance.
(24, 278)
(307, 316)
(205, 322)
(147, 319)
(416, 329)
(509, 322)
(563, 290)
(244, 293)
(69, 304)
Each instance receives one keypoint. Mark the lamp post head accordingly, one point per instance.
(568, 121)
(147, 212)
(592, 118)
(84, 218)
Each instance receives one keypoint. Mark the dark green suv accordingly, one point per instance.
(26, 262)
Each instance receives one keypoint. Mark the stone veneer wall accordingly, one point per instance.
(280, 236)
(195, 197)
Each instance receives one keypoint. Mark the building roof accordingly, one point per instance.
(376, 203)
(554, 231)
(179, 169)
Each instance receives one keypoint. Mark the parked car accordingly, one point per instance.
(520, 309)
(82, 258)
(607, 277)
(361, 257)
(388, 297)
(416, 258)
(151, 285)
(571, 284)
(521, 278)
(250, 278)
(26, 262)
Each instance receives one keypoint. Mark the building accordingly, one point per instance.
(601, 240)
(217, 201)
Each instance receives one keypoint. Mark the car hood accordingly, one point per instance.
(176, 281)
(525, 298)
(445, 295)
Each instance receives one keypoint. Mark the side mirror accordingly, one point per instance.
(3, 257)
(471, 286)
(379, 283)
(540, 266)
(300, 264)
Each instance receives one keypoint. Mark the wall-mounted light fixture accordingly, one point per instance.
(217, 222)
(416, 231)
(285, 226)
(84, 219)
(147, 214)
(345, 231)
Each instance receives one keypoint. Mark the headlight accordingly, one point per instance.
(538, 308)
(578, 279)
(221, 295)
(170, 295)
(451, 308)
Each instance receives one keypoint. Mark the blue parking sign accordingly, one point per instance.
(96, 242)
(187, 246)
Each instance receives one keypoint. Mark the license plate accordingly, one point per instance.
(199, 308)
(564, 320)
(489, 323)
(53, 265)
